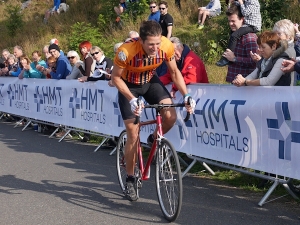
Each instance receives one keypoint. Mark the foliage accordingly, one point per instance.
(214, 51)
(273, 10)
(14, 19)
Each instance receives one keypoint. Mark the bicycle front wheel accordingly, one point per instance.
(168, 180)
(121, 164)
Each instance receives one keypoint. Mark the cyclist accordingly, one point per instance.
(134, 75)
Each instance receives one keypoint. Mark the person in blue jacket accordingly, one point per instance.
(18, 52)
(155, 13)
(63, 66)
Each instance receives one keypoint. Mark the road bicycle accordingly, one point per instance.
(167, 168)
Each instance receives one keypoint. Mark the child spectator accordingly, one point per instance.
(12, 66)
(252, 24)
(212, 9)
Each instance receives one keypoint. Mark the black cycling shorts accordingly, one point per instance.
(153, 92)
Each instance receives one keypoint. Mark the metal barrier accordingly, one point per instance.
(276, 179)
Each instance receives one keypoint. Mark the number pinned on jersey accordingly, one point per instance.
(122, 56)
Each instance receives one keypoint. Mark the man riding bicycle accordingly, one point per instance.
(134, 76)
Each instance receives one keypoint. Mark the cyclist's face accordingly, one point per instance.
(151, 45)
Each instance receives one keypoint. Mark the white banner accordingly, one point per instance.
(253, 127)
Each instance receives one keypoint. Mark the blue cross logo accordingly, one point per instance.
(74, 102)
(11, 95)
(284, 130)
(38, 99)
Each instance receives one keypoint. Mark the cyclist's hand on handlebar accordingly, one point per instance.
(136, 106)
(190, 103)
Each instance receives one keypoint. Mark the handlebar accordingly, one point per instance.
(158, 107)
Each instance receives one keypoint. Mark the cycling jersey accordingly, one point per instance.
(138, 67)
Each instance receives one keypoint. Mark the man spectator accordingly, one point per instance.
(63, 66)
(189, 64)
(165, 20)
(240, 59)
(18, 52)
(155, 14)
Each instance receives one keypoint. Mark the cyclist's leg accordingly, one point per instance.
(157, 93)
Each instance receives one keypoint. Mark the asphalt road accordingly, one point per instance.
(43, 181)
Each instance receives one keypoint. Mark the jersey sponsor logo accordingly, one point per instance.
(122, 56)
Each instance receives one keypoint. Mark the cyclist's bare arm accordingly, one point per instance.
(119, 83)
(176, 76)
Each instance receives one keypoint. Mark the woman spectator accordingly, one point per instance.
(103, 66)
(74, 59)
(268, 71)
(36, 65)
(89, 62)
(12, 64)
(25, 66)
(51, 63)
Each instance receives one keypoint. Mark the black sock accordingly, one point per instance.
(130, 178)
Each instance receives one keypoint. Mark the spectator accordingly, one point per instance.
(250, 10)
(63, 67)
(51, 67)
(155, 14)
(268, 72)
(37, 62)
(120, 9)
(88, 67)
(51, 11)
(12, 64)
(3, 62)
(286, 31)
(165, 20)
(212, 9)
(46, 52)
(290, 66)
(241, 61)
(25, 65)
(103, 66)
(18, 52)
(55, 41)
(74, 59)
(133, 34)
(188, 63)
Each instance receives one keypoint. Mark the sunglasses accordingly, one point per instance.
(71, 57)
(162, 8)
(95, 53)
(152, 7)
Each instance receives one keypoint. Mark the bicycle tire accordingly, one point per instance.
(168, 180)
(121, 164)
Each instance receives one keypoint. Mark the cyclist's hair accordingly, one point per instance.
(176, 41)
(234, 10)
(163, 3)
(269, 37)
(149, 28)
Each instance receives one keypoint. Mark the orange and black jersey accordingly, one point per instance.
(138, 67)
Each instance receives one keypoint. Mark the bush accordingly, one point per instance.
(14, 19)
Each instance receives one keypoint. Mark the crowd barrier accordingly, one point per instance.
(247, 129)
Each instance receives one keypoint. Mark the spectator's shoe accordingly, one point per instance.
(150, 140)
(131, 191)
(118, 19)
(200, 26)
(222, 62)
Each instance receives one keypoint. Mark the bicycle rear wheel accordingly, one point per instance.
(168, 180)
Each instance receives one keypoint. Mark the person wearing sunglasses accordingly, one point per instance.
(155, 13)
(74, 60)
(165, 20)
(103, 66)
